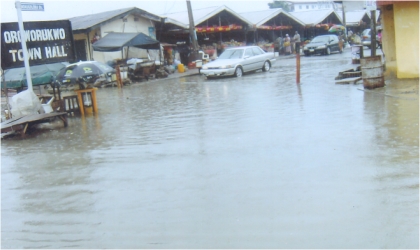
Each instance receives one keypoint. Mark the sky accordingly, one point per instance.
(64, 9)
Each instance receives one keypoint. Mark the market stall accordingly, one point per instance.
(269, 26)
(117, 41)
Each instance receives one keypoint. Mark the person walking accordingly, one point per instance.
(296, 39)
(287, 45)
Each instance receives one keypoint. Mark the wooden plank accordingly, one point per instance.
(349, 80)
(16, 124)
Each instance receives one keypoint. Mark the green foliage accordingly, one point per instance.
(279, 4)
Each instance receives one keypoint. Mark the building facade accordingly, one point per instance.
(297, 6)
(400, 37)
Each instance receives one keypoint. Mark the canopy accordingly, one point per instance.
(41, 75)
(115, 41)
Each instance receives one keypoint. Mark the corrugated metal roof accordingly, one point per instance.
(354, 17)
(91, 21)
(313, 17)
(258, 18)
(199, 15)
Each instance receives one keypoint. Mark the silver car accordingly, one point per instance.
(366, 38)
(238, 60)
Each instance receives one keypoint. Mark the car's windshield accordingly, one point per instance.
(323, 39)
(232, 54)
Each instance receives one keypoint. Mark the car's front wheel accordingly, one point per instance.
(328, 51)
(266, 67)
(238, 71)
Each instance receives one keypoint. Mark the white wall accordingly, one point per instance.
(130, 26)
(315, 5)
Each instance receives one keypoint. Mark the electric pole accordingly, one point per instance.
(192, 27)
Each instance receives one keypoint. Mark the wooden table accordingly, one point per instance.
(92, 91)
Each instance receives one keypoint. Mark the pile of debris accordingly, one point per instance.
(349, 76)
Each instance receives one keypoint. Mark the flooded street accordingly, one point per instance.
(251, 162)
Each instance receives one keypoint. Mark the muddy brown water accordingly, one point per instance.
(256, 162)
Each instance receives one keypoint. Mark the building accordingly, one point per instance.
(400, 37)
(272, 23)
(358, 5)
(297, 6)
(89, 28)
(316, 22)
(357, 20)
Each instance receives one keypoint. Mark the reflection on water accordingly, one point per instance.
(255, 162)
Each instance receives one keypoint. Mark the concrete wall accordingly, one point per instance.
(406, 22)
(388, 40)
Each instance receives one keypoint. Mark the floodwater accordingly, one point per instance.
(255, 162)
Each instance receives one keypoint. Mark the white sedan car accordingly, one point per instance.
(238, 60)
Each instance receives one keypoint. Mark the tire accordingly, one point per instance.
(328, 51)
(266, 67)
(306, 54)
(239, 71)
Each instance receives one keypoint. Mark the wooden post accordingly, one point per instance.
(118, 74)
(298, 68)
(373, 33)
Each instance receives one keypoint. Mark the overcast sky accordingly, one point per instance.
(63, 9)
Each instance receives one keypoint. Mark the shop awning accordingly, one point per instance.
(115, 41)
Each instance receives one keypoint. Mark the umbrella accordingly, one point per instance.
(336, 28)
(83, 73)
(40, 75)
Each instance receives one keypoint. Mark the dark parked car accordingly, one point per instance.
(325, 44)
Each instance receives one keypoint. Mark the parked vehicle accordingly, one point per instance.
(325, 44)
(236, 61)
(366, 38)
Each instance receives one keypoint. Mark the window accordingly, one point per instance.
(257, 51)
(300, 7)
(249, 53)
(307, 6)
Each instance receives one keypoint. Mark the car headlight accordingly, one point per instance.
(305, 48)
(226, 67)
(204, 67)
(322, 47)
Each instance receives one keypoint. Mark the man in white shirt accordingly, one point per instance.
(296, 39)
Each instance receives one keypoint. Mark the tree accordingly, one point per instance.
(279, 4)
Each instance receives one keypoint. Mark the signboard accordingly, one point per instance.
(46, 41)
(32, 6)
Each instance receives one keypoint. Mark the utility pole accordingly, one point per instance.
(373, 32)
(23, 42)
(344, 21)
(192, 27)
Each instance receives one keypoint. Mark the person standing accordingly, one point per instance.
(340, 41)
(281, 45)
(349, 34)
(287, 45)
(296, 39)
